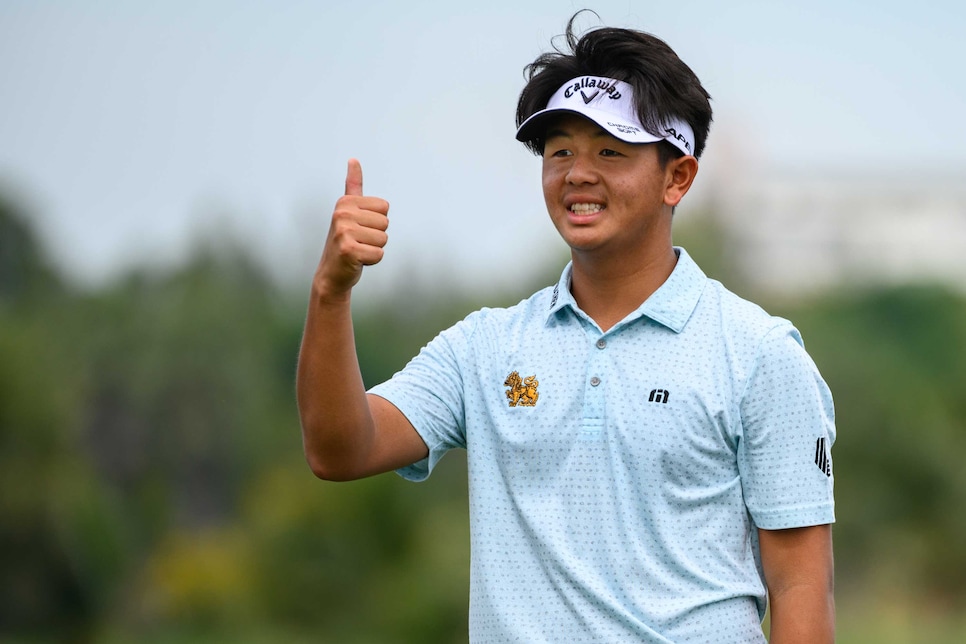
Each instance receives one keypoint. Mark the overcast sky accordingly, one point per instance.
(132, 127)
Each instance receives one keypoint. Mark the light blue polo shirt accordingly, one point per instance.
(616, 479)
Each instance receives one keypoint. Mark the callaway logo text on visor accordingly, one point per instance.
(610, 104)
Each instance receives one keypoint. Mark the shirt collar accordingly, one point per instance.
(671, 304)
(561, 297)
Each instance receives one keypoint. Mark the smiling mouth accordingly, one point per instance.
(586, 208)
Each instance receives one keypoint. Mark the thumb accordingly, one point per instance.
(353, 178)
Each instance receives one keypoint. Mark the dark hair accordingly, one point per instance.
(664, 87)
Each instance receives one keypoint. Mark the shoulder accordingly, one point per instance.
(742, 319)
(535, 308)
(768, 350)
(493, 325)
(753, 342)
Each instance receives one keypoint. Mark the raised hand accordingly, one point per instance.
(357, 237)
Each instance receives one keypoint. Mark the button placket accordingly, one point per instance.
(593, 421)
(597, 362)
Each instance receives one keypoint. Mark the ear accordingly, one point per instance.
(680, 174)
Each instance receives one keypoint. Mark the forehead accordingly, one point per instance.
(569, 124)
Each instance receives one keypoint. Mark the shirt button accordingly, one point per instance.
(594, 381)
(601, 343)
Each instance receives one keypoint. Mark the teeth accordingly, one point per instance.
(586, 208)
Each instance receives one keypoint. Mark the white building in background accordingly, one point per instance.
(797, 233)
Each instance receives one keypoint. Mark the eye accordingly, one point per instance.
(607, 152)
(562, 152)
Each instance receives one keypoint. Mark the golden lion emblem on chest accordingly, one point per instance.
(522, 392)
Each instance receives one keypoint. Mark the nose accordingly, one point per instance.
(582, 170)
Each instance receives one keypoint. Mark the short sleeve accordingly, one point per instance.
(430, 392)
(787, 431)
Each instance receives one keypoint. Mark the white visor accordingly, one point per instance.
(610, 104)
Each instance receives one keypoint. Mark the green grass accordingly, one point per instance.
(899, 621)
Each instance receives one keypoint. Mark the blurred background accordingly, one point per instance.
(167, 171)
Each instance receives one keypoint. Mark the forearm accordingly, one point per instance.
(337, 425)
(803, 614)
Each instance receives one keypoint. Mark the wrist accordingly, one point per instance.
(324, 293)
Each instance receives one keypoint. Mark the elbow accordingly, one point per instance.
(319, 467)
(335, 449)
(325, 458)
(316, 456)
(328, 469)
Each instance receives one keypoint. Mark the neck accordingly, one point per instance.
(608, 290)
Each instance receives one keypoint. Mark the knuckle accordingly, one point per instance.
(346, 206)
(346, 246)
(345, 201)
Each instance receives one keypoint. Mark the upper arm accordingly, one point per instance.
(388, 443)
(396, 443)
(799, 573)
(796, 555)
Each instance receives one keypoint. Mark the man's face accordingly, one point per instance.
(602, 193)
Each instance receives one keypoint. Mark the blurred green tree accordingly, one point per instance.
(25, 270)
(41, 588)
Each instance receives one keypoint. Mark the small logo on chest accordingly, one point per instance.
(522, 392)
(658, 396)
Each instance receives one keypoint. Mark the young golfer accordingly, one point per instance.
(648, 453)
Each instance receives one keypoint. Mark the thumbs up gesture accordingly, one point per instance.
(356, 238)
